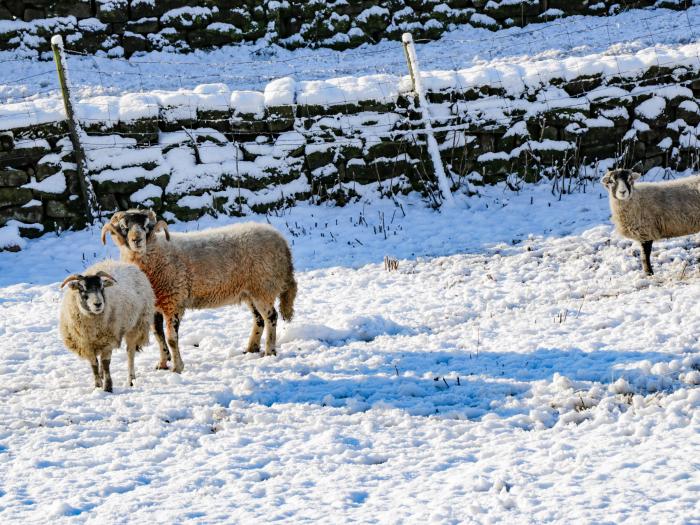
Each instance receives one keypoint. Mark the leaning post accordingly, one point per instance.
(424, 109)
(74, 129)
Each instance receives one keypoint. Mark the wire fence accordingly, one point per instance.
(517, 90)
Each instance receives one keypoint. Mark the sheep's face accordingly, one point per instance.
(620, 183)
(134, 229)
(90, 291)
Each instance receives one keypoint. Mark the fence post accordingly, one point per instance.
(424, 109)
(74, 129)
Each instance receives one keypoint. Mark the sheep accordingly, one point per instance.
(649, 211)
(242, 263)
(109, 302)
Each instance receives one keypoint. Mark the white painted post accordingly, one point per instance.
(74, 129)
(424, 109)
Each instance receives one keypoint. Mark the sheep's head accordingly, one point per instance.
(134, 229)
(90, 290)
(620, 183)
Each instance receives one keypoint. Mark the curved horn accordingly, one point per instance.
(74, 277)
(162, 225)
(102, 273)
(109, 280)
(117, 217)
(108, 227)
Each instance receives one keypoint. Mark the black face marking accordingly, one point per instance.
(136, 223)
(622, 178)
(88, 286)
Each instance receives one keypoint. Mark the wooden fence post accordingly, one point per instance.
(433, 149)
(75, 131)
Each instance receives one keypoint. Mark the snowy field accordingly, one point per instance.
(252, 66)
(516, 368)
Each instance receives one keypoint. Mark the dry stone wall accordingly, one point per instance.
(125, 27)
(265, 151)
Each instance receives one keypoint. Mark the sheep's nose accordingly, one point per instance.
(98, 305)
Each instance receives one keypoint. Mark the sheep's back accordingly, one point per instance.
(227, 264)
(669, 209)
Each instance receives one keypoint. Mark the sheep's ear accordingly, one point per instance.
(152, 217)
(73, 281)
(107, 280)
(606, 180)
(635, 175)
(109, 227)
(162, 225)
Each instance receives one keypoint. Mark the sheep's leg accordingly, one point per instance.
(270, 331)
(96, 372)
(646, 257)
(130, 353)
(162, 345)
(172, 326)
(105, 359)
(256, 333)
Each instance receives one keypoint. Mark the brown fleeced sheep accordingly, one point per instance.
(649, 211)
(109, 302)
(249, 263)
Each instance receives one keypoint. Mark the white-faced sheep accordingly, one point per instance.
(649, 211)
(249, 263)
(109, 302)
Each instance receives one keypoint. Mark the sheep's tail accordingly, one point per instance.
(288, 295)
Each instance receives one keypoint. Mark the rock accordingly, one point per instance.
(60, 210)
(187, 20)
(12, 177)
(143, 26)
(133, 42)
(28, 214)
(110, 11)
(21, 157)
(7, 141)
(32, 13)
(14, 196)
(47, 168)
(77, 8)
(31, 231)
(689, 111)
(280, 118)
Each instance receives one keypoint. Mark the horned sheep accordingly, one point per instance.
(649, 211)
(242, 263)
(109, 302)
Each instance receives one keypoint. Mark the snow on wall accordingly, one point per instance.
(116, 28)
(212, 150)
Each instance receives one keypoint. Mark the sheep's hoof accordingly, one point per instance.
(178, 368)
(269, 353)
(162, 366)
(108, 387)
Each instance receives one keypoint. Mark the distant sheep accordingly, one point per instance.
(108, 302)
(249, 263)
(649, 211)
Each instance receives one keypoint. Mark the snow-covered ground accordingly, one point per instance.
(252, 66)
(517, 367)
